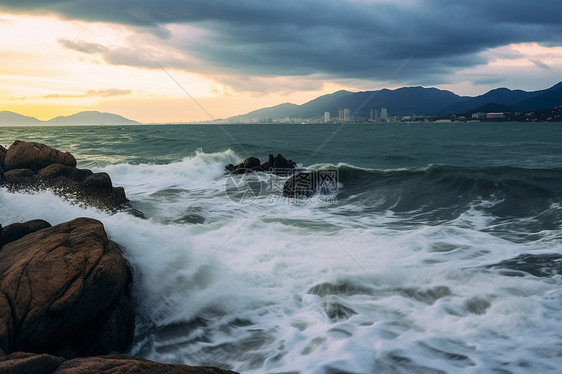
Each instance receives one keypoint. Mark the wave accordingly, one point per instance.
(433, 194)
(518, 204)
(275, 295)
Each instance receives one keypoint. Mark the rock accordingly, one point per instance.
(35, 166)
(98, 181)
(64, 290)
(20, 178)
(306, 184)
(250, 164)
(280, 162)
(16, 231)
(130, 365)
(35, 156)
(95, 189)
(29, 363)
(2, 156)
(45, 364)
(277, 164)
(56, 173)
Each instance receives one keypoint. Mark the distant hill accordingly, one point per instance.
(91, 118)
(277, 111)
(82, 118)
(402, 101)
(11, 118)
(492, 108)
(410, 101)
(549, 98)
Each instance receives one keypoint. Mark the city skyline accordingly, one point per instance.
(176, 61)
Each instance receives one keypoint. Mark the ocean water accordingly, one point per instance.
(438, 251)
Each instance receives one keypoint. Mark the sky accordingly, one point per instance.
(196, 60)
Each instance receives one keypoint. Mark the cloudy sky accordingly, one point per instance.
(146, 59)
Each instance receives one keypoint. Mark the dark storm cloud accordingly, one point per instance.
(348, 39)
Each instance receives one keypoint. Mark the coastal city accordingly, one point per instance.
(381, 115)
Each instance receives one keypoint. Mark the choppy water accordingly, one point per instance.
(440, 252)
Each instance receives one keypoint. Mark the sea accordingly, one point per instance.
(438, 249)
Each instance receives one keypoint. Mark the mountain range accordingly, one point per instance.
(405, 101)
(412, 101)
(82, 118)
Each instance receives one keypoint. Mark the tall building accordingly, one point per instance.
(326, 117)
(340, 116)
(377, 115)
(346, 115)
(384, 114)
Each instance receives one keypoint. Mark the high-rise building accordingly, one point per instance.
(384, 114)
(377, 115)
(340, 116)
(326, 117)
(346, 115)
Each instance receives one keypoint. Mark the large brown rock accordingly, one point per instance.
(18, 230)
(20, 178)
(64, 290)
(35, 156)
(30, 363)
(55, 173)
(36, 166)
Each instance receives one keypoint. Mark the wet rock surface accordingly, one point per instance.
(64, 290)
(308, 183)
(36, 166)
(30, 363)
(277, 164)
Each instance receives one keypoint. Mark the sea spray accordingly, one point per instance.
(423, 263)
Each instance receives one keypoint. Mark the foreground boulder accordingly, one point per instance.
(64, 290)
(276, 165)
(16, 231)
(31, 165)
(30, 363)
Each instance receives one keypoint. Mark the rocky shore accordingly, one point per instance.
(65, 290)
(36, 166)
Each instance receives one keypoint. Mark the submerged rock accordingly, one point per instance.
(307, 183)
(64, 290)
(335, 310)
